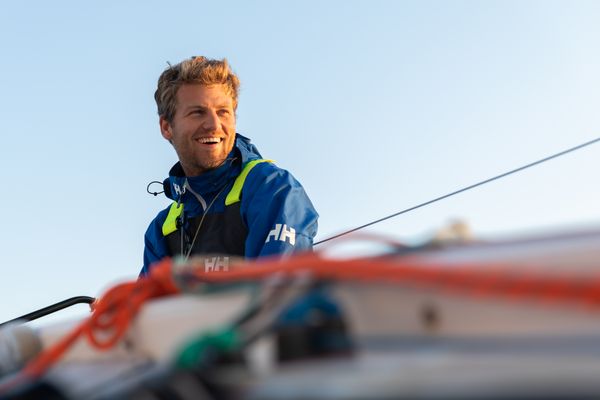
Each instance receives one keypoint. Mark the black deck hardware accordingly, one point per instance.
(42, 312)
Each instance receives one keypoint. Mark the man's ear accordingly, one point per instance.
(165, 128)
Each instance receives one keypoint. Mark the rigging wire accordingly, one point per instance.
(562, 153)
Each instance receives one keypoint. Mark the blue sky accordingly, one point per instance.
(373, 105)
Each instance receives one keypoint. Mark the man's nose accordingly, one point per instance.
(211, 121)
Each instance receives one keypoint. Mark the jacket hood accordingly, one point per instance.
(211, 182)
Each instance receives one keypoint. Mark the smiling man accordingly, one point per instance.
(227, 200)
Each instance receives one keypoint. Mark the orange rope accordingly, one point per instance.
(473, 279)
(110, 319)
(113, 312)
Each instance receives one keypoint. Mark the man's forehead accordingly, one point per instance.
(196, 92)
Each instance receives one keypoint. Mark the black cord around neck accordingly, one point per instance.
(154, 193)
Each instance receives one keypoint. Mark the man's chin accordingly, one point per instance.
(210, 165)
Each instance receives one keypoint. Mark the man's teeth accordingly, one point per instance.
(209, 140)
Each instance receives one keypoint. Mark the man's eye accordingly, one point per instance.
(223, 112)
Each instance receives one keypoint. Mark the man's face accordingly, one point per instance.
(203, 128)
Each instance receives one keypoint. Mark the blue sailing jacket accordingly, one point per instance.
(276, 212)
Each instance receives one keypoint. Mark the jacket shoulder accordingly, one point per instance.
(154, 242)
(155, 227)
(269, 172)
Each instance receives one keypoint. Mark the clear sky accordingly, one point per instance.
(373, 105)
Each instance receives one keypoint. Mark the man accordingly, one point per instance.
(227, 199)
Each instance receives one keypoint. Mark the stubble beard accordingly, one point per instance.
(202, 165)
(208, 165)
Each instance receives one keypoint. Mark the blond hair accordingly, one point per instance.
(199, 70)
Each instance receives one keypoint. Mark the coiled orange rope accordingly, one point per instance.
(110, 319)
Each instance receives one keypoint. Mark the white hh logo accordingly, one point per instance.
(214, 264)
(177, 189)
(282, 233)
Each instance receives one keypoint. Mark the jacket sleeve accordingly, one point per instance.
(155, 248)
(278, 213)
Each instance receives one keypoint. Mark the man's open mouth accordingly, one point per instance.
(210, 140)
